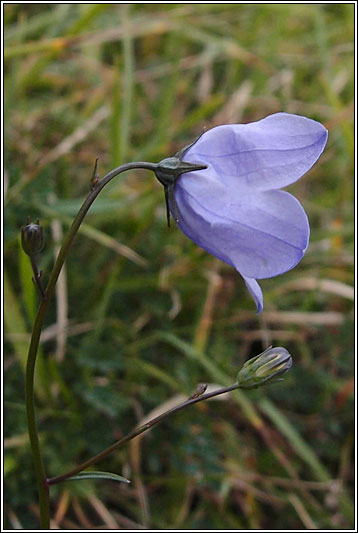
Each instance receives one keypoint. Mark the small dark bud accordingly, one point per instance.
(32, 238)
(95, 176)
(201, 388)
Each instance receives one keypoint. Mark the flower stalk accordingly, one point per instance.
(32, 241)
(42, 485)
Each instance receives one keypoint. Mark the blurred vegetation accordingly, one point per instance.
(142, 314)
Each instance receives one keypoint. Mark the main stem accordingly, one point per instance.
(42, 484)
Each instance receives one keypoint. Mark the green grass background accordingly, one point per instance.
(143, 314)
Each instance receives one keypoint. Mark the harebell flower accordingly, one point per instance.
(233, 208)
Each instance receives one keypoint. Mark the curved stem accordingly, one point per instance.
(42, 484)
(138, 431)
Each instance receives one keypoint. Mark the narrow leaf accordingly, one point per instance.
(98, 475)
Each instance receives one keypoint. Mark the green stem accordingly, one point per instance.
(138, 431)
(42, 484)
(31, 419)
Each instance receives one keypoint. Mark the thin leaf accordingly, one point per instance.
(98, 475)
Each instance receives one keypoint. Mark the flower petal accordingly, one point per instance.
(261, 234)
(268, 154)
(256, 292)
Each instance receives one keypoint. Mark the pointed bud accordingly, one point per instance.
(265, 367)
(32, 238)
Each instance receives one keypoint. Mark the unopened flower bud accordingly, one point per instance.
(32, 238)
(265, 367)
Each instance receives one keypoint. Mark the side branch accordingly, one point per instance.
(139, 431)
